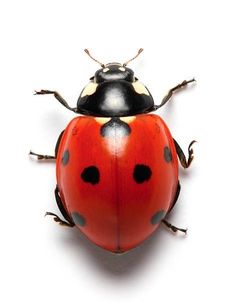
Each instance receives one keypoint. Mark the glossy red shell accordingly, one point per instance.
(117, 212)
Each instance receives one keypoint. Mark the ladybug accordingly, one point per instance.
(116, 163)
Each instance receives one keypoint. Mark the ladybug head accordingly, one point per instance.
(114, 91)
(114, 72)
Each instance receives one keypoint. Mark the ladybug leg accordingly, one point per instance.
(176, 197)
(174, 228)
(58, 143)
(183, 161)
(42, 157)
(172, 91)
(165, 222)
(48, 157)
(58, 97)
(68, 221)
(57, 219)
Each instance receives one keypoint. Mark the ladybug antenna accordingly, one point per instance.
(139, 52)
(87, 51)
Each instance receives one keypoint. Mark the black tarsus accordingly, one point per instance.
(172, 91)
(174, 228)
(183, 161)
(58, 97)
(68, 221)
(42, 157)
(57, 219)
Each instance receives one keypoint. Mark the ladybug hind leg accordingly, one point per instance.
(165, 222)
(174, 228)
(176, 197)
(68, 221)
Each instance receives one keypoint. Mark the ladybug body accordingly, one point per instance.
(116, 165)
(117, 177)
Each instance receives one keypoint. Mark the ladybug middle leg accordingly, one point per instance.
(183, 160)
(48, 157)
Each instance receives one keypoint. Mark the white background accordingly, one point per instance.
(42, 45)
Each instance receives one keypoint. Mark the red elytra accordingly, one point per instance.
(117, 211)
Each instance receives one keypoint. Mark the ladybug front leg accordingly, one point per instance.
(183, 161)
(58, 97)
(172, 91)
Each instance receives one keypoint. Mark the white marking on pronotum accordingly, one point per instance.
(121, 68)
(140, 88)
(89, 89)
(106, 69)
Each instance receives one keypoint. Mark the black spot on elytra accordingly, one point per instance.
(91, 175)
(78, 219)
(115, 127)
(65, 158)
(167, 154)
(142, 173)
(157, 217)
